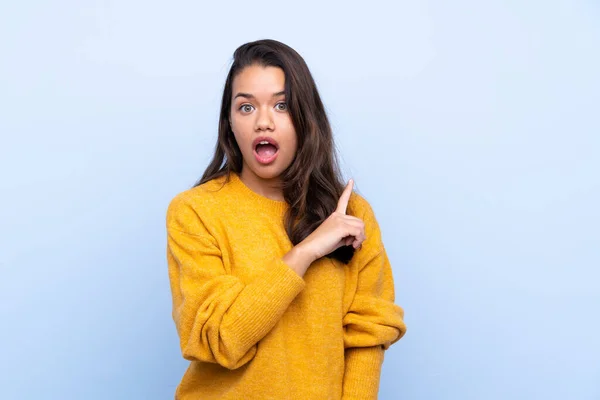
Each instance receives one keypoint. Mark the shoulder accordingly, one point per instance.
(359, 206)
(189, 208)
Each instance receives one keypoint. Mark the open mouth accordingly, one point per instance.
(265, 151)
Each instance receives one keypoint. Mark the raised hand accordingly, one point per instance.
(337, 230)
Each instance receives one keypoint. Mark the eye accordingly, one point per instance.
(282, 104)
(245, 109)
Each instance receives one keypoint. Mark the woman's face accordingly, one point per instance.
(259, 109)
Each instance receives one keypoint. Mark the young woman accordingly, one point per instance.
(282, 288)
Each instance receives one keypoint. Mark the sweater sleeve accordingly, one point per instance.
(219, 318)
(373, 322)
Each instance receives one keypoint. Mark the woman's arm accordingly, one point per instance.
(362, 372)
(373, 322)
(219, 318)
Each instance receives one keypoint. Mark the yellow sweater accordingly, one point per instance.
(253, 328)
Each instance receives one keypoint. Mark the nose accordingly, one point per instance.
(264, 121)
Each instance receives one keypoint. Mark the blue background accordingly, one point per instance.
(473, 128)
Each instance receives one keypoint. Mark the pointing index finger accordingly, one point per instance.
(345, 197)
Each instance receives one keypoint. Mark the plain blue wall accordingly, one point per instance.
(473, 129)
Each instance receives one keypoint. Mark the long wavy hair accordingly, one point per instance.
(313, 183)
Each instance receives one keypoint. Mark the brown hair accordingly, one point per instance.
(312, 184)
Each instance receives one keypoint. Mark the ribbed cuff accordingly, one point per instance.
(362, 373)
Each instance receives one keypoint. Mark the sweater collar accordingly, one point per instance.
(264, 202)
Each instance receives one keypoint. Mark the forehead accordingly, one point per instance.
(259, 80)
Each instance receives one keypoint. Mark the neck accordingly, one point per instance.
(267, 187)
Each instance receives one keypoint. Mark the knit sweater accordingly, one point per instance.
(250, 326)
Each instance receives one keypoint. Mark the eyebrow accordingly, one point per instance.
(249, 96)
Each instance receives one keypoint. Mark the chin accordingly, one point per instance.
(266, 172)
